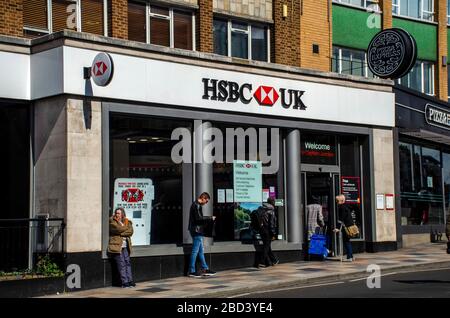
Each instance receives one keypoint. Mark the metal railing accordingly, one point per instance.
(22, 240)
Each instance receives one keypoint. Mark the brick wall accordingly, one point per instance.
(286, 33)
(11, 17)
(118, 19)
(204, 25)
(441, 70)
(386, 8)
(315, 26)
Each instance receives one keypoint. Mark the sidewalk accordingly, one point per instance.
(244, 280)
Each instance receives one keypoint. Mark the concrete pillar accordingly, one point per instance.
(293, 187)
(203, 172)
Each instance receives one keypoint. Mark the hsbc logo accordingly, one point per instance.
(232, 92)
(99, 68)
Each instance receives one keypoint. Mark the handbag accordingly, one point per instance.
(352, 231)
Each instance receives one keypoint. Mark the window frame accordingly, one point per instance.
(367, 5)
(422, 82)
(421, 9)
(250, 25)
(339, 64)
(170, 17)
(78, 3)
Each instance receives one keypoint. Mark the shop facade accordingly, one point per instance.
(140, 139)
(423, 161)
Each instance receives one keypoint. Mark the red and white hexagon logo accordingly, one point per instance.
(266, 95)
(99, 68)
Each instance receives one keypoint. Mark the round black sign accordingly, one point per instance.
(392, 53)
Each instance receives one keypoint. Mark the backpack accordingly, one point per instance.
(257, 219)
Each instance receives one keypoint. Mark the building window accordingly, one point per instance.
(420, 78)
(367, 4)
(141, 150)
(241, 39)
(164, 26)
(420, 185)
(448, 11)
(350, 61)
(419, 9)
(42, 17)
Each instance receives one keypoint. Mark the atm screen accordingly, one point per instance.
(137, 214)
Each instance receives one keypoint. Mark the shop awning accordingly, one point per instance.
(427, 135)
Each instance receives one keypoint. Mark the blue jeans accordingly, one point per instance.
(347, 245)
(124, 266)
(197, 249)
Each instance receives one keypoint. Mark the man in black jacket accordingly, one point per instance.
(197, 224)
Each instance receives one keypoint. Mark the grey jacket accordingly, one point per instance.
(314, 217)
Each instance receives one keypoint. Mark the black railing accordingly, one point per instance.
(21, 239)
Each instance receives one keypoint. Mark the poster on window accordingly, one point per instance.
(247, 181)
(135, 196)
(351, 189)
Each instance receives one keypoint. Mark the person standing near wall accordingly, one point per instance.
(345, 217)
(120, 232)
(197, 224)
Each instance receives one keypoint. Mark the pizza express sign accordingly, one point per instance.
(232, 92)
(392, 53)
(437, 116)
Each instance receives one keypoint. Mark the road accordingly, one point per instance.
(423, 284)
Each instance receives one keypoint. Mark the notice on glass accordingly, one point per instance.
(265, 195)
(380, 202)
(389, 202)
(247, 179)
(220, 195)
(430, 182)
(350, 188)
(229, 195)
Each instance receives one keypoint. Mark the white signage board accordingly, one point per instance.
(187, 85)
(247, 180)
(135, 196)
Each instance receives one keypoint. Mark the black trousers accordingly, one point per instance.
(263, 253)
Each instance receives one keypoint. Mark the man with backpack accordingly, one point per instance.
(263, 223)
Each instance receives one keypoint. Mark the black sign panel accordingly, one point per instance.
(437, 116)
(350, 188)
(320, 150)
(391, 53)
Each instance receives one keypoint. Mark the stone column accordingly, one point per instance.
(203, 172)
(204, 21)
(118, 19)
(11, 21)
(286, 33)
(293, 187)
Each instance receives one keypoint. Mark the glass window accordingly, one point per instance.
(35, 14)
(446, 177)
(92, 16)
(240, 34)
(239, 40)
(64, 15)
(182, 30)
(259, 43)
(419, 9)
(448, 11)
(318, 149)
(352, 62)
(159, 26)
(220, 37)
(351, 177)
(137, 22)
(141, 149)
(233, 218)
(335, 61)
(420, 78)
(420, 185)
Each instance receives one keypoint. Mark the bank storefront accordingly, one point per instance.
(423, 176)
(168, 125)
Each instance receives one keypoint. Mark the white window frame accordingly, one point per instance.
(339, 70)
(250, 25)
(367, 4)
(422, 76)
(421, 13)
(49, 29)
(149, 15)
(448, 15)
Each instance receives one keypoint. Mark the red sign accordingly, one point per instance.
(132, 195)
(266, 95)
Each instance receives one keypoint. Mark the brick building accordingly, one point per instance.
(295, 66)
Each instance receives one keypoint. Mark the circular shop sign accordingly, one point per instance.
(102, 69)
(392, 53)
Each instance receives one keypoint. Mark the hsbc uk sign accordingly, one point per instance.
(232, 92)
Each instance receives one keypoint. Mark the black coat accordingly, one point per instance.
(197, 222)
(345, 215)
